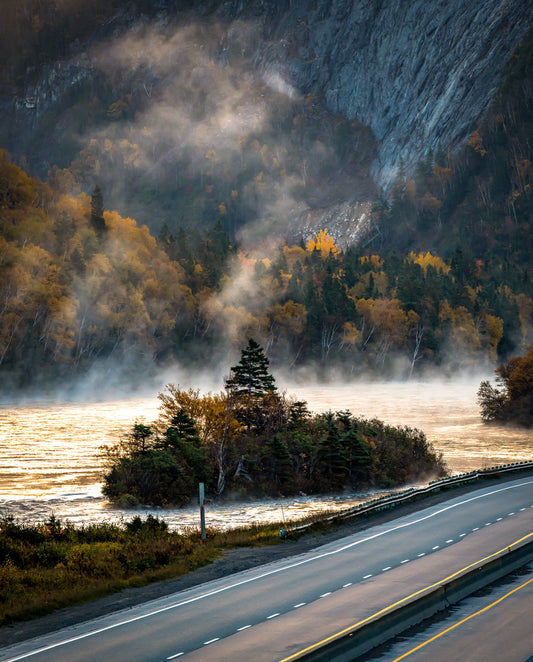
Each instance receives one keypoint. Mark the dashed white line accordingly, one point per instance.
(405, 561)
(522, 509)
(385, 569)
(421, 554)
(449, 541)
(172, 657)
(488, 523)
(244, 627)
(367, 576)
(346, 585)
(211, 641)
(436, 547)
(462, 535)
(272, 616)
(284, 568)
(475, 528)
(300, 604)
(510, 514)
(499, 519)
(325, 594)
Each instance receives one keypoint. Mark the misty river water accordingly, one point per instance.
(50, 458)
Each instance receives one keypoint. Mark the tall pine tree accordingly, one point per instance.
(251, 376)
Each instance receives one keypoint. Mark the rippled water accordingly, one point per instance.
(50, 458)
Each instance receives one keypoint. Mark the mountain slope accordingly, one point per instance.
(268, 116)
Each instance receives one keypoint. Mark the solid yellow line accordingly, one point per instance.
(332, 637)
(452, 627)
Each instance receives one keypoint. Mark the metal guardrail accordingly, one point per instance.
(377, 629)
(384, 503)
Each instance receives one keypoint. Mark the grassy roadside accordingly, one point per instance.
(48, 566)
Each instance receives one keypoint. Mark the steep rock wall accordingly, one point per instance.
(418, 72)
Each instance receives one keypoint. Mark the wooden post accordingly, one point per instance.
(202, 512)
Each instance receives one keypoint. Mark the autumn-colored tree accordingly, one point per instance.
(512, 402)
(324, 243)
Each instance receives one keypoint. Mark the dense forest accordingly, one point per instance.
(442, 278)
(249, 440)
(81, 284)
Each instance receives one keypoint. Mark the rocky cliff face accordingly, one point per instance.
(420, 73)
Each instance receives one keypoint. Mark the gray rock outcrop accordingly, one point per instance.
(420, 73)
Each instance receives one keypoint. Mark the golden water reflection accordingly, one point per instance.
(50, 459)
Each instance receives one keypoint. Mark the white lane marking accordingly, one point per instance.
(405, 561)
(462, 535)
(325, 594)
(211, 641)
(223, 589)
(499, 519)
(244, 627)
(522, 509)
(385, 569)
(172, 657)
(367, 576)
(272, 615)
(449, 541)
(488, 523)
(346, 585)
(300, 604)
(436, 547)
(510, 514)
(421, 554)
(475, 528)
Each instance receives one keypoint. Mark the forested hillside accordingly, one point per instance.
(80, 285)
(182, 209)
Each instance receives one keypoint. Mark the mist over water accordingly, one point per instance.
(50, 452)
(447, 412)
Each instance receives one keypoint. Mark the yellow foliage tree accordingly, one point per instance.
(350, 333)
(324, 243)
(426, 260)
(374, 260)
(463, 336)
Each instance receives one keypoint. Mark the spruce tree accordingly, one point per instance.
(331, 463)
(251, 376)
(359, 457)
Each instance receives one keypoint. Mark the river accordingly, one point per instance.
(50, 458)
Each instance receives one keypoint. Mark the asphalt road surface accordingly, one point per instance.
(270, 613)
(493, 625)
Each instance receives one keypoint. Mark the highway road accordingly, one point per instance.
(493, 625)
(271, 613)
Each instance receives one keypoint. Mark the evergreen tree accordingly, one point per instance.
(182, 440)
(97, 210)
(251, 376)
(277, 463)
(359, 456)
(182, 428)
(331, 458)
